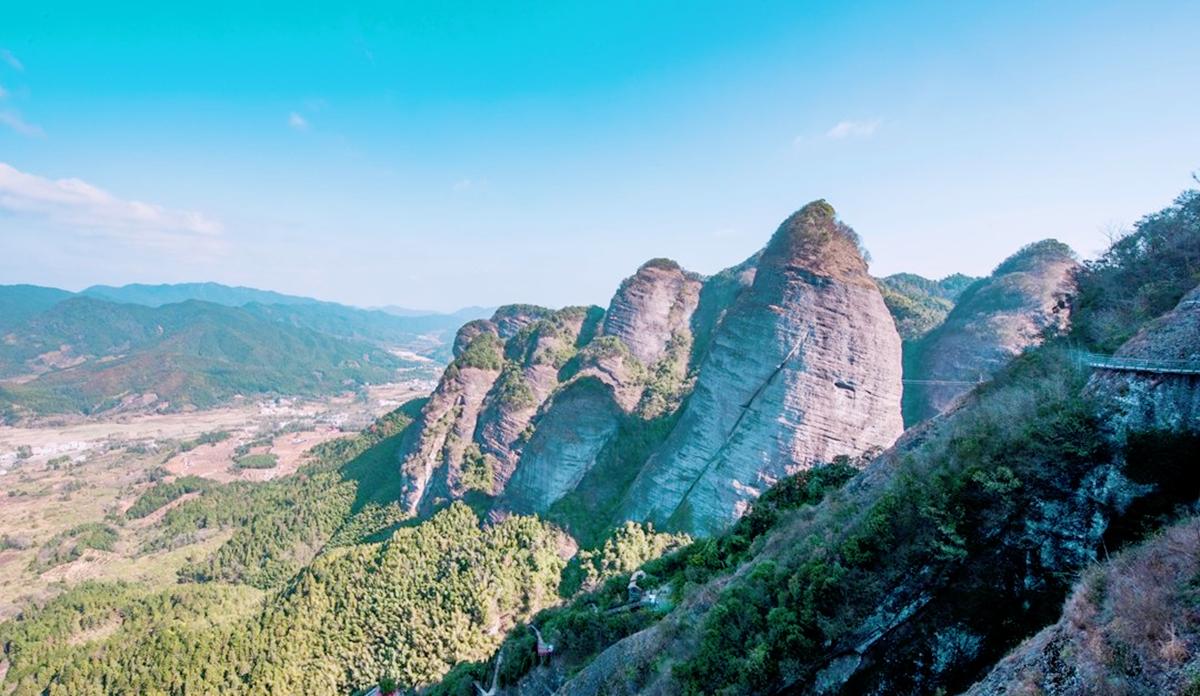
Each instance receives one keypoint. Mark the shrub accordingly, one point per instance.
(256, 461)
(484, 352)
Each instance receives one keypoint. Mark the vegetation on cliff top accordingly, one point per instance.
(918, 304)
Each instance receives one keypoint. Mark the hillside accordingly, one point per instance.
(921, 572)
(423, 333)
(20, 302)
(919, 304)
(197, 345)
(1128, 626)
(87, 355)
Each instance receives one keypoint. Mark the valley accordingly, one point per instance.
(69, 473)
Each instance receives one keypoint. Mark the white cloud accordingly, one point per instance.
(853, 129)
(13, 120)
(463, 185)
(97, 212)
(7, 56)
(297, 121)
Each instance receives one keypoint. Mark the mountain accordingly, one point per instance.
(426, 336)
(803, 368)
(158, 295)
(681, 403)
(464, 314)
(919, 304)
(89, 355)
(1046, 515)
(61, 340)
(1132, 603)
(423, 333)
(994, 319)
(20, 302)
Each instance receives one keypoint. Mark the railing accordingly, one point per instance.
(1150, 365)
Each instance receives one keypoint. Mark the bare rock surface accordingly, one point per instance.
(574, 429)
(432, 452)
(651, 306)
(804, 367)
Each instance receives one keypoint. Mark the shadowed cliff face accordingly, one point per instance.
(804, 367)
(994, 320)
(1141, 401)
(783, 361)
(1129, 626)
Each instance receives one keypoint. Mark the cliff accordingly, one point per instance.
(1129, 627)
(1138, 401)
(804, 367)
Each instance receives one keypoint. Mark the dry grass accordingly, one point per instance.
(1132, 626)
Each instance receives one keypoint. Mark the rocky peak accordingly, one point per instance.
(783, 361)
(510, 319)
(469, 331)
(803, 367)
(651, 306)
(813, 240)
(994, 320)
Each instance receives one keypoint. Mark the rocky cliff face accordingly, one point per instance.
(994, 320)
(1138, 401)
(803, 367)
(471, 428)
(432, 455)
(651, 307)
(1053, 468)
(646, 333)
(785, 360)
(1128, 628)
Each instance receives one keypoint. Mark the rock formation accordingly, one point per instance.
(783, 361)
(995, 319)
(804, 367)
(646, 332)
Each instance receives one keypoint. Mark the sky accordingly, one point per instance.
(438, 155)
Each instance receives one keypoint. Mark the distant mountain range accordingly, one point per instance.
(198, 344)
(158, 295)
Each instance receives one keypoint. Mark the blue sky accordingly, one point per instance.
(443, 154)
